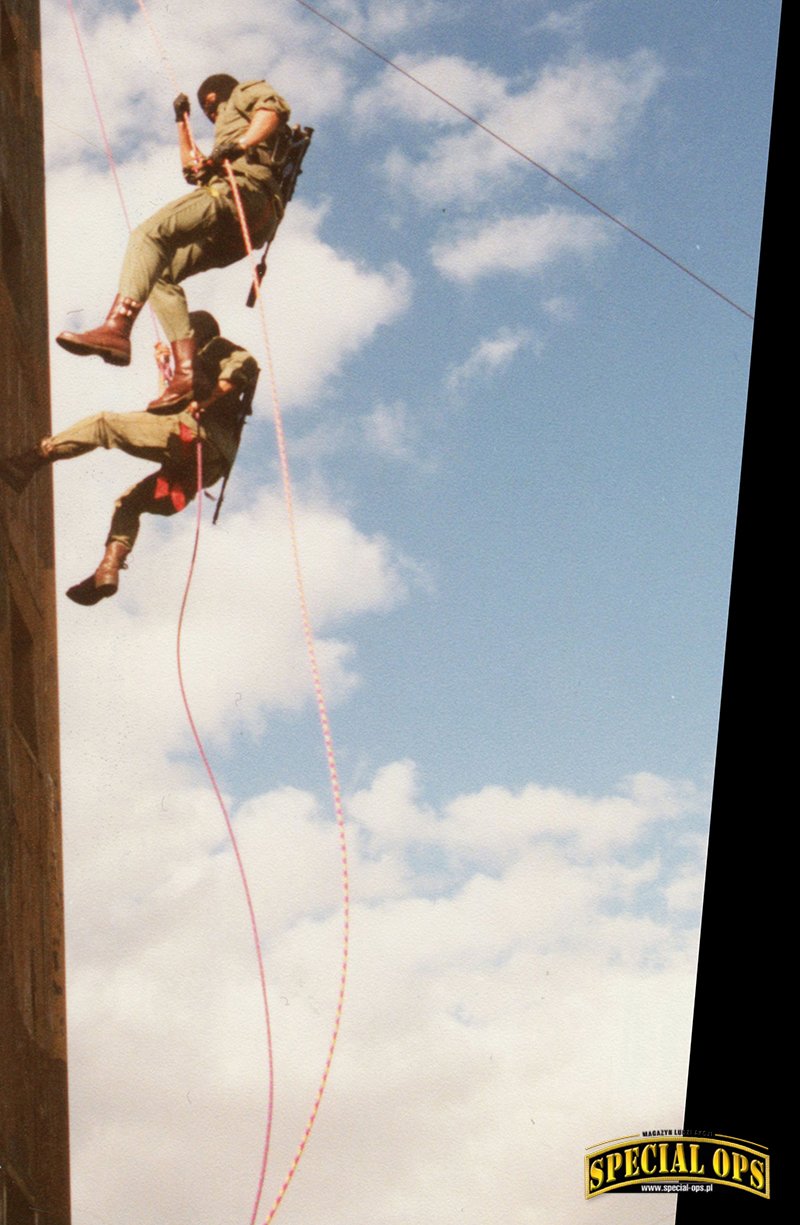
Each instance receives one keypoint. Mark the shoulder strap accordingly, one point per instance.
(244, 411)
(287, 158)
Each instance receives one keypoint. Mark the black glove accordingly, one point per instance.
(228, 151)
(181, 107)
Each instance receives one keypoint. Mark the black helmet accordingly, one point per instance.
(219, 84)
(204, 327)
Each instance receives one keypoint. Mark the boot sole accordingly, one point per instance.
(82, 350)
(171, 406)
(87, 594)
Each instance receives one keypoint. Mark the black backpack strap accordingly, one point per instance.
(287, 159)
(244, 411)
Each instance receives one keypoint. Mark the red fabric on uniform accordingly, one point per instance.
(170, 485)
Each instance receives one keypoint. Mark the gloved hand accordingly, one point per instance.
(228, 151)
(181, 107)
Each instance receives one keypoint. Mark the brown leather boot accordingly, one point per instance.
(105, 580)
(188, 381)
(111, 340)
(17, 470)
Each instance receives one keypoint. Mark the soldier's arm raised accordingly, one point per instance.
(263, 125)
(186, 145)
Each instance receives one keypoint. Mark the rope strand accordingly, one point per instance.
(318, 694)
(598, 208)
(201, 750)
(104, 134)
(233, 840)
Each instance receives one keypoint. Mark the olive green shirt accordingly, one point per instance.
(222, 360)
(233, 119)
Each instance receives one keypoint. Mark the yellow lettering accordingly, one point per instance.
(679, 1165)
(695, 1167)
(740, 1166)
(721, 1162)
(596, 1173)
(757, 1173)
(647, 1151)
(613, 1164)
(662, 1165)
(631, 1162)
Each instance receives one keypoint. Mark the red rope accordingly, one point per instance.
(231, 834)
(201, 750)
(104, 134)
(316, 680)
(322, 711)
(106, 142)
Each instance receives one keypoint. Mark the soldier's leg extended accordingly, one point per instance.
(169, 245)
(150, 496)
(142, 434)
(189, 220)
(121, 539)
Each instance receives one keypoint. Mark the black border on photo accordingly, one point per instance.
(739, 1060)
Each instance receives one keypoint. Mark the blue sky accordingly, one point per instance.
(585, 548)
(515, 434)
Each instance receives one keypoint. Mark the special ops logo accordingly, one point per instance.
(677, 1161)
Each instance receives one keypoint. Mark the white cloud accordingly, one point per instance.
(568, 21)
(512, 1016)
(560, 308)
(518, 244)
(138, 66)
(582, 826)
(521, 966)
(243, 648)
(380, 19)
(576, 113)
(338, 301)
(389, 431)
(469, 86)
(490, 354)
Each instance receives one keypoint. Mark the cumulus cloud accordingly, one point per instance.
(575, 114)
(469, 86)
(581, 826)
(475, 1011)
(518, 244)
(522, 959)
(339, 302)
(244, 582)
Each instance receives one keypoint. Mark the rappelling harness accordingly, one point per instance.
(245, 410)
(286, 160)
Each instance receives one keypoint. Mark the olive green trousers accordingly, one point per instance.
(147, 436)
(196, 232)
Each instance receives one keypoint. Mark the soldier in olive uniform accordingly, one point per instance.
(200, 230)
(165, 436)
